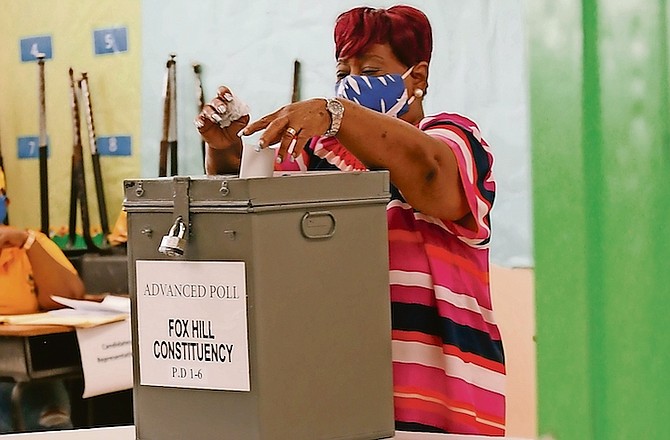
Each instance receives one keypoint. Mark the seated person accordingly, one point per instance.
(32, 268)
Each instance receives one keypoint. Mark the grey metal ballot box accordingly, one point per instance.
(260, 307)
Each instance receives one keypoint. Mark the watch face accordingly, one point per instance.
(335, 106)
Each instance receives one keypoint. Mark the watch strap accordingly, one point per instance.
(336, 111)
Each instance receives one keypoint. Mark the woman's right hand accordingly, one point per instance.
(12, 237)
(222, 119)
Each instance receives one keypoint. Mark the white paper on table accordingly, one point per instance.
(110, 303)
(67, 317)
(106, 358)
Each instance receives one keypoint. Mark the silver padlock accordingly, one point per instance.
(173, 243)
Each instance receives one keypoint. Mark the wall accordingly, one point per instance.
(599, 98)
(512, 295)
(115, 90)
(478, 69)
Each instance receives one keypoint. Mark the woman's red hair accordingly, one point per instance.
(406, 29)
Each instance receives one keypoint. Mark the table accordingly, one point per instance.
(40, 351)
(32, 352)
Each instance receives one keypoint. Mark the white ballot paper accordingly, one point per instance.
(106, 349)
(256, 162)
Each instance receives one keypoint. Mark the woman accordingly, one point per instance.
(448, 358)
(32, 268)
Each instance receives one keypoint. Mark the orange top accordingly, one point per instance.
(119, 234)
(18, 294)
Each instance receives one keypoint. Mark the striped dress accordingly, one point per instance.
(448, 362)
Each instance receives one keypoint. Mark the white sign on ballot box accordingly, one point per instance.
(192, 324)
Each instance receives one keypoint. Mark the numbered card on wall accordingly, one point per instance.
(114, 145)
(112, 40)
(31, 47)
(29, 147)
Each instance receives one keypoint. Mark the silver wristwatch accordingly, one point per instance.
(336, 110)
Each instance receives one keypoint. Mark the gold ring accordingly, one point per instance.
(291, 131)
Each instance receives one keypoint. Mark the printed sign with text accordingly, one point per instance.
(192, 324)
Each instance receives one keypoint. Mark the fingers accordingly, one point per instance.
(204, 121)
(278, 130)
(291, 141)
(221, 119)
(295, 148)
(261, 124)
(223, 93)
(274, 132)
(274, 125)
(222, 111)
(291, 127)
(219, 105)
(291, 145)
(213, 114)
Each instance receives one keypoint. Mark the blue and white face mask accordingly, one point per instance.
(385, 94)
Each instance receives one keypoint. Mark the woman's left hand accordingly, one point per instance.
(292, 126)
